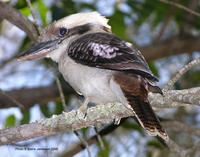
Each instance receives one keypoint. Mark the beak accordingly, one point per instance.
(39, 50)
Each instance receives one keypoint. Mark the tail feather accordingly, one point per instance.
(146, 116)
(135, 89)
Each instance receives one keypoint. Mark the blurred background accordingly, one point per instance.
(168, 37)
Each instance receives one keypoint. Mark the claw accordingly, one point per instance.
(117, 121)
(81, 115)
(83, 109)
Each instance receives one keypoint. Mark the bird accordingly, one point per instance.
(99, 65)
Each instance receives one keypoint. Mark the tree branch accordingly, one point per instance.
(176, 98)
(65, 122)
(179, 126)
(175, 125)
(177, 149)
(173, 46)
(30, 96)
(100, 114)
(181, 72)
(181, 7)
(74, 149)
(16, 18)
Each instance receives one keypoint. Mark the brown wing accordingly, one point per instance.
(106, 51)
(135, 89)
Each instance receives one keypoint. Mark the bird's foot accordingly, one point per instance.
(82, 111)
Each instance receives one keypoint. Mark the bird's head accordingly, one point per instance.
(54, 39)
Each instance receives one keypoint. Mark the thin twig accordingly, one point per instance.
(163, 28)
(165, 24)
(84, 142)
(92, 140)
(61, 94)
(181, 7)
(34, 15)
(180, 73)
(4, 63)
(102, 146)
(13, 100)
(181, 127)
(174, 147)
(194, 149)
(180, 151)
(189, 19)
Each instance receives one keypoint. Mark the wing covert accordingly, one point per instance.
(106, 51)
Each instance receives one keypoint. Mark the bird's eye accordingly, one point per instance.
(62, 31)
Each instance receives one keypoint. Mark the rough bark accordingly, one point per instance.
(99, 114)
(30, 96)
(65, 122)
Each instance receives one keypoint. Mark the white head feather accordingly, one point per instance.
(83, 18)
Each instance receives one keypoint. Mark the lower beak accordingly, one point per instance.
(39, 50)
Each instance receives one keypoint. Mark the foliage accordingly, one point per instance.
(10, 121)
(140, 12)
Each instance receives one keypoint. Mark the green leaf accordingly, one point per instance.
(190, 79)
(48, 112)
(87, 6)
(144, 10)
(160, 10)
(58, 108)
(20, 4)
(70, 7)
(118, 25)
(105, 152)
(66, 8)
(10, 121)
(84, 132)
(25, 44)
(57, 12)
(26, 117)
(45, 110)
(154, 69)
(25, 11)
(42, 9)
(154, 143)
(132, 126)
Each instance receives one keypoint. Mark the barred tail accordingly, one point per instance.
(146, 116)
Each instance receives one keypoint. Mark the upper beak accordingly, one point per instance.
(39, 50)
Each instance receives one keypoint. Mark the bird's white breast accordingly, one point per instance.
(93, 83)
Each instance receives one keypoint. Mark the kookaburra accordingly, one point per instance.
(99, 65)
